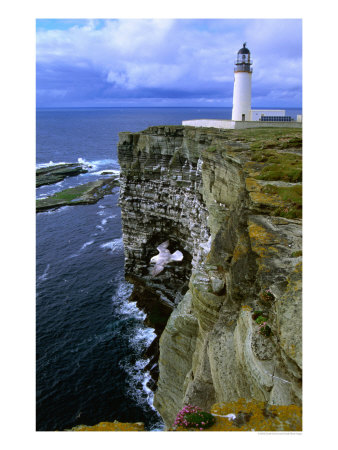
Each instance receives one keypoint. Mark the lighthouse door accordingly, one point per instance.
(243, 117)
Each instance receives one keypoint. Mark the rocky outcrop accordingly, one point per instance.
(58, 172)
(84, 194)
(111, 426)
(230, 201)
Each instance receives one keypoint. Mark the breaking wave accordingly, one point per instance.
(114, 245)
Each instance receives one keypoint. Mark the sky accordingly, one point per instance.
(165, 62)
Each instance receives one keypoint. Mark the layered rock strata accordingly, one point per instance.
(230, 201)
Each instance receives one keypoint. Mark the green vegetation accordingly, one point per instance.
(80, 195)
(296, 254)
(257, 314)
(279, 166)
(277, 136)
(264, 330)
(193, 417)
(292, 196)
(211, 149)
(261, 319)
(71, 194)
(267, 295)
(199, 420)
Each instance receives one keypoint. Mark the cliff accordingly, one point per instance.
(230, 202)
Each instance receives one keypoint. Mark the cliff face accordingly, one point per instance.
(230, 201)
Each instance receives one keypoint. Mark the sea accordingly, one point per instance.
(90, 339)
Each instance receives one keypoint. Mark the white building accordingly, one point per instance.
(241, 105)
(242, 114)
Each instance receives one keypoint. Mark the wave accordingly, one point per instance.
(143, 338)
(86, 245)
(114, 245)
(100, 164)
(50, 163)
(74, 255)
(139, 339)
(106, 172)
(56, 210)
(44, 276)
(47, 190)
(111, 164)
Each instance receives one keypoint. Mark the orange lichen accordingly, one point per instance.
(257, 416)
(260, 238)
(111, 426)
(253, 185)
(246, 308)
(266, 199)
(241, 249)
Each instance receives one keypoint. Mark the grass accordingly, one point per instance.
(292, 197)
(279, 166)
(71, 194)
(84, 194)
(211, 149)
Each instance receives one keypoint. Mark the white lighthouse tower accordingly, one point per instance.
(241, 107)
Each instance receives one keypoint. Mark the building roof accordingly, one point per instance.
(244, 50)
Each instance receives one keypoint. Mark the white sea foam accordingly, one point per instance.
(143, 337)
(103, 222)
(51, 163)
(97, 166)
(114, 245)
(57, 187)
(83, 162)
(55, 211)
(106, 172)
(86, 245)
(140, 339)
(74, 255)
(129, 309)
(44, 276)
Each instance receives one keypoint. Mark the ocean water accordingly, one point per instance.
(90, 340)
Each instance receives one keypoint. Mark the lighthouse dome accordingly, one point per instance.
(244, 50)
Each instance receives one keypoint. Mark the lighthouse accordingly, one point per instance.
(241, 107)
(242, 114)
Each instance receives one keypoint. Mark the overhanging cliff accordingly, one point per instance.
(230, 201)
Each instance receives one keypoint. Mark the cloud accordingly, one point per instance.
(98, 60)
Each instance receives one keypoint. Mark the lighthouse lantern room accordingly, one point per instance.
(241, 108)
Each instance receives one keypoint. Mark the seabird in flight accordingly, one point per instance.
(164, 257)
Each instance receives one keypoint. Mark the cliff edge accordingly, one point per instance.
(230, 202)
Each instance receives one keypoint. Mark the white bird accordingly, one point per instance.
(164, 257)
